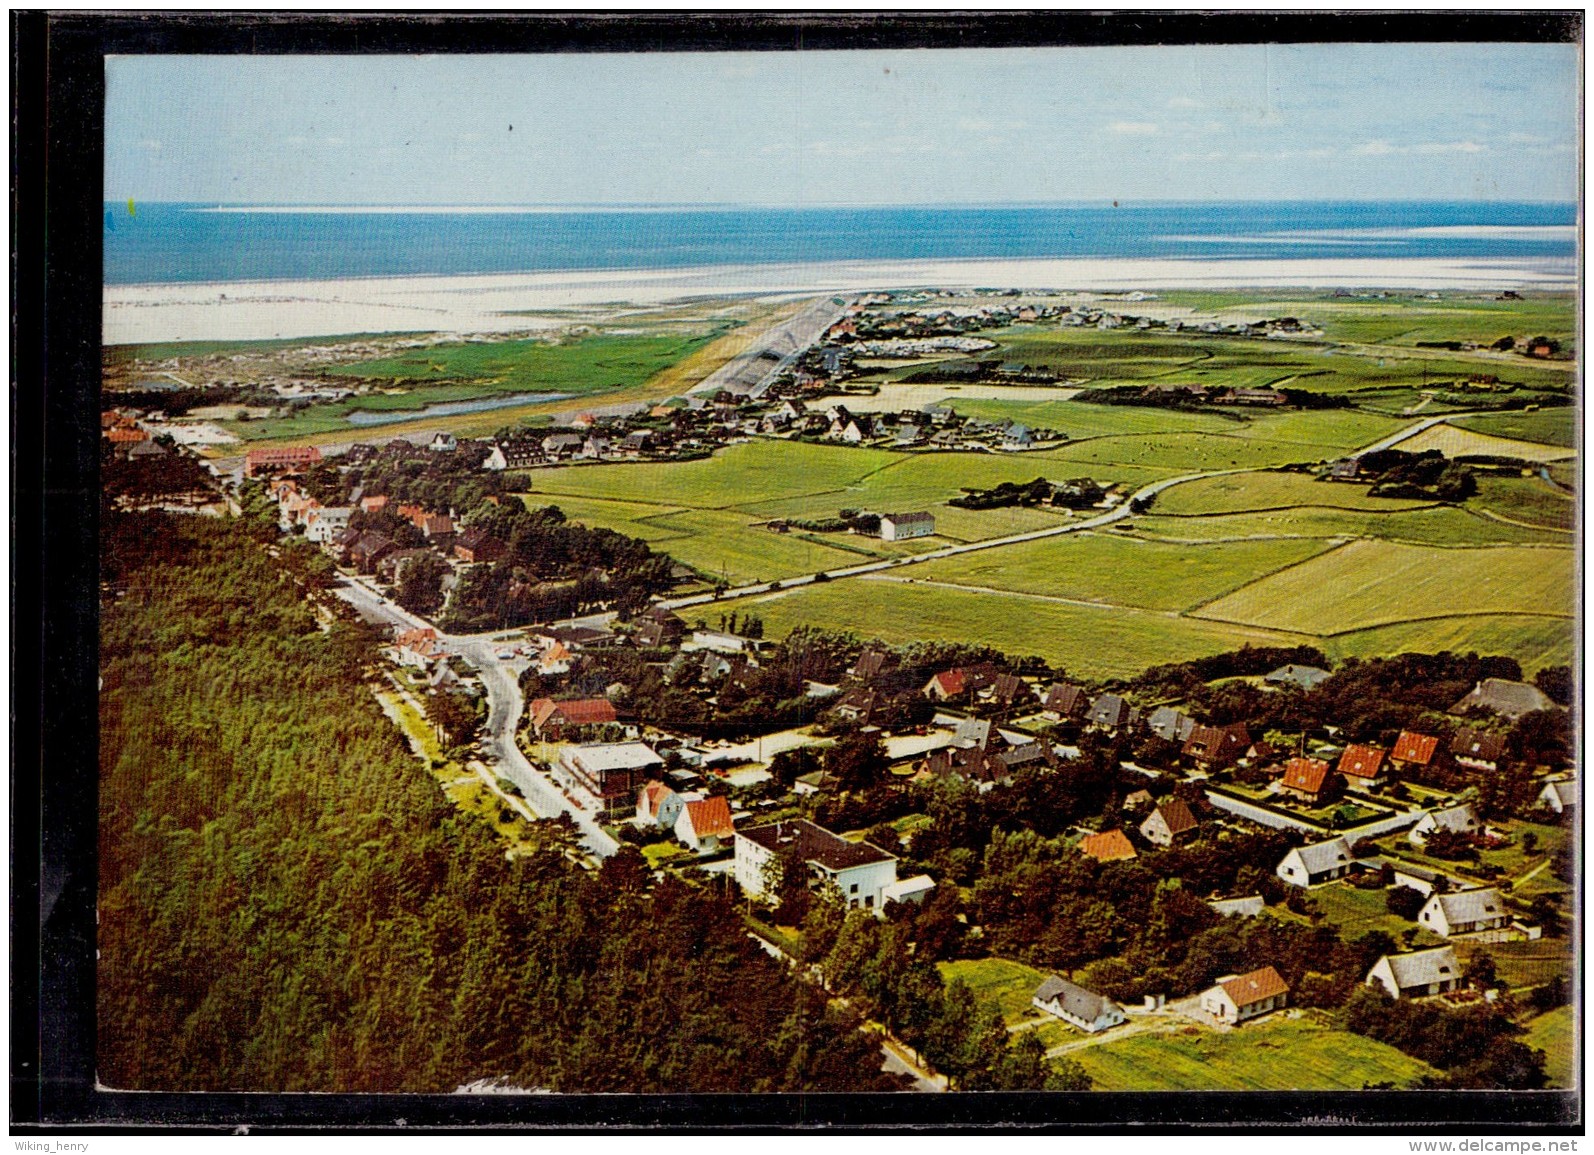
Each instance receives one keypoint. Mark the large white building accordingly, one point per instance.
(605, 777)
(860, 871)
(1417, 973)
(901, 526)
(1464, 912)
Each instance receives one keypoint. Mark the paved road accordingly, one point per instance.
(505, 703)
(789, 340)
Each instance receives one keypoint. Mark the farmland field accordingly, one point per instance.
(1258, 491)
(1094, 567)
(1276, 1054)
(1458, 442)
(1108, 642)
(1434, 525)
(1535, 642)
(1548, 426)
(1528, 499)
(1368, 583)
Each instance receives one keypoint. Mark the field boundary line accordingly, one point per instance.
(1328, 548)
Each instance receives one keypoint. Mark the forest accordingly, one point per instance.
(288, 903)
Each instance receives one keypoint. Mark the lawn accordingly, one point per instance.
(1088, 642)
(1554, 426)
(1356, 912)
(1555, 1033)
(1276, 1054)
(1371, 583)
(1008, 984)
(1120, 571)
(1525, 964)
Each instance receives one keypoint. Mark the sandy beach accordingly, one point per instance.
(141, 314)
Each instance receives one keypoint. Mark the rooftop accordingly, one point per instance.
(815, 844)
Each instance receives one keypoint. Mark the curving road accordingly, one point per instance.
(505, 704)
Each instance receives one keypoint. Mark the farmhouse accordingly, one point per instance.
(704, 824)
(1075, 1005)
(1478, 750)
(1168, 822)
(1559, 795)
(1363, 766)
(1111, 846)
(1305, 778)
(1237, 998)
(1464, 912)
(610, 772)
(1318, 863)
(1417, 973)
(1461, 819)
(1505, 698)
(859, 871)
(902, 526)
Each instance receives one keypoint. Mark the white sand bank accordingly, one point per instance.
(139, 314)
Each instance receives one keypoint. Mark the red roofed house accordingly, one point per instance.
(1413, 750)
(1305, 778)
(418, 647)
(1363, 765)
(122, 435)
(1217, 747)
(291, 458)
(945, 686)
(657, 805)
(1109, 847)
(552, 721)
(705, 824)
(374, 503)
(1167, 822)
(1236, 998)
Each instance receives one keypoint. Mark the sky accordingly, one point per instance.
(988, 126)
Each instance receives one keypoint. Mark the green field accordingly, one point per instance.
(1371, 583)
(1096, 567)
(1527, 499)
(1434, 525)
(1008, 984)
(1534, 642)
(1548, 426)
(1261, 491)
(1555, 1033)
(1356, 912)
(1275, 1054)
(1088, 642)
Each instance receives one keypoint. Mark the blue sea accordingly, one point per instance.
(169, 243)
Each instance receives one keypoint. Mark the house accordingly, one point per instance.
(1477, 749)
(562, 444)
(658, 806)
(902, 526)
(516, 454)
(595, 447)
(1464, 912)
(1306, 677)
(1167, 822)
(856, 705)
(659, 628)
(1010, 690)
(1139, 798)
(323, 524)
(871, 664)
(552, 720)
(945, 686)
(1305, 778)
(723, 643)
(813, 783)
(1345, 469)
(435, 525)
(443, 443)
(287, 459)
(1461, 819)
(418, 647)
(1559, 795)
(1111, 846)
(1075, 1005)
(1217, 747)
(705, 824)
(609, 772)
(1111, 712)
(1237, 998)
(1171, 725)
(368, 550)
(1505, 698)
(1363, 765)
(1415, 974)
(391, 567)
(859, 871)
(635, 443)
(375, 503)
(1412, 749)
(477, 545)
(1064, 700)
(914, 890)
(1248, 907)
(1317, 863)
(144, 450)
(554, 660)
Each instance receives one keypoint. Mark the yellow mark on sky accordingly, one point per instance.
(131, 210)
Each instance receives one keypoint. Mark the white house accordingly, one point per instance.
(1236, 998)
(657, 805)
(1317, 863)
(1461, 819)
(705, 824)
(323, 524)
(1559, 795)
(1464, 912)
(1075, 1005)
(902, 526)
(914, 890)
(858, 870)
(443, 443)
(1417, 973)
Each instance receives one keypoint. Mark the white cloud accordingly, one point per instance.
(1425, 148)
(1376, 148)
(1468, 146)
(1184, 102)
(1133, 128)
